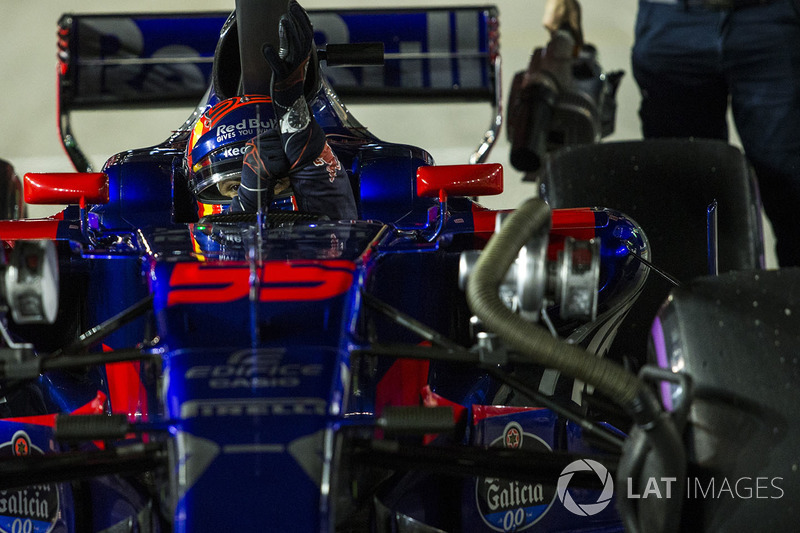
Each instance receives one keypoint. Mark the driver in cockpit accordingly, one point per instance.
(299, 151)
(246, 149)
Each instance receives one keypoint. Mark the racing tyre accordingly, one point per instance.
(666, 186)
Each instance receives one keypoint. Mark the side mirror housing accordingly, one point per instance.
(66, 188)
(460, 180)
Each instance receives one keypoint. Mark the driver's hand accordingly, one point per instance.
(289, 66)
(561, 14)
(265, 163)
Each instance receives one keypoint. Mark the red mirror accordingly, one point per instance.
(66, 188)
(460, 180)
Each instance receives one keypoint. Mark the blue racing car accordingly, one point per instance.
(424, 363)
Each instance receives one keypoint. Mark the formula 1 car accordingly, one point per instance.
(169, 365)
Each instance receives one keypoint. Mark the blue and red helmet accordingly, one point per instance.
(218, 143)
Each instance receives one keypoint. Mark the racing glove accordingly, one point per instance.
(289, 66)
(320, 183)
(263, 173)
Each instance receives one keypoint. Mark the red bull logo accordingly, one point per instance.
(213, 117)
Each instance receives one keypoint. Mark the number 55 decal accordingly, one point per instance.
(196, 283)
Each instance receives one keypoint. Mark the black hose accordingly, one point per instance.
(660, 451)
(654, 453)
(630, 467)
(528, 338)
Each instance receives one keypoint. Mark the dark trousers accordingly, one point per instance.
(691, 62)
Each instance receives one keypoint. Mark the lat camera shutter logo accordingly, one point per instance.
(585, 509)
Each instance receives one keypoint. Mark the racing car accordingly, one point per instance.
(431, 365)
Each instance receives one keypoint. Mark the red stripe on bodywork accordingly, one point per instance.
(125, 388)
(280, 281)
(482, 412)
(402, 383)
(484, 221)
(431, 399)
(578, 223)
(95, 407)
(38, 228)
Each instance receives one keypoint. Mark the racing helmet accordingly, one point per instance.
(218, 143)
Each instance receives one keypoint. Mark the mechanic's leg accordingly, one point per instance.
(676, 62)
(762, 60)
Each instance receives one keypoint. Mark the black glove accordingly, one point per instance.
(303, 139)
(264, 164)
(289, 66)
(320, 183)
